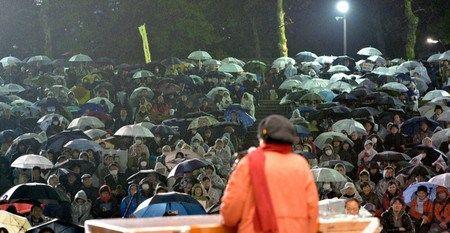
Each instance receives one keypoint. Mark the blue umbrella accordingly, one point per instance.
(56, 142)
(327, 95)
(305, 110)
(410, 192)
(242, 116)
(169, 203)
(302, 131)
(186, 166)
(412, 125)
(92, 107)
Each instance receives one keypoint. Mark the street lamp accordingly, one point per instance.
(343, 7)
(433, 41)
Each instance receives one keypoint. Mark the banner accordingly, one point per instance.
(145, 45)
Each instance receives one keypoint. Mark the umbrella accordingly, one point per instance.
(45, 121)
(56, 142)
(230, 68)
(10, 61)
(369, 51)
(134, 131)
(40, 59)
(145, 173)
(186, 167)
(281, 62)
(331, 163)
(412, 125)
(411, 65)
(421, 85)
(394, 86)
(390, 156)
(316, 83)
(365, 112)
(293, 97)
(80, 58)
(85, 165)
(378, 60)
(312, 64)
(163, 130)
(232, 60)
(290, 84)
(325, 59)
(410, 192)
(311, 97)
(435, 94)
(33, 191)
(428, 111)
(199, 56)
(11, 88)
(84, 122)
(57, 226)
(414, 170)
(305, 56)
(212, 62)
(327, 137)
(29, 161)
(255, 66)
(439, 137)
(383, 71)
(143, 74)
(337, 76)
(243, 117)
(302, 131)
(340, 86)
(169, 204)
(434, 57)
(141, 92)
(218, 74)
(83, 145)
(327, 95)
(445, 56)
(100, 100)
(180, 155)
(345, 97)
(95, 133)
(441, 180)
(40, 138)
(204, 121)
(246, 77)
(145, 124)
(338, 69)
(171, 61)
(13, 223)
(349, 126)
(327, 175)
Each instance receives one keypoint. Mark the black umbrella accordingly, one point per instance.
(146, 173)
(171, 61)
(216, 74)
(33, 191)
(365, 112)
(163, 130)
(85, 165)
(331, 163)
(57, 226)
(186, 166)
(361, 92)
(411, 126)
(390, 156)
(336, 112)
(432, 154)
(345, 97)
(56, 142)
(414, 170)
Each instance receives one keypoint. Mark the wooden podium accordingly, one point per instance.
(211, 224)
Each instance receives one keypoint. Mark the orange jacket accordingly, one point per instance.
(292, 189)
(442, 207)
(427, 210)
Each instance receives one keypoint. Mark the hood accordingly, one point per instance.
(129, 188)
(197, 136)
(81, 195)
(365, 172)
(441, 189)
(104, 188)
(328, 146)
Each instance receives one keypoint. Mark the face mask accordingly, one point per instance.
(326, 186)
(145, 186)
(114, 172)
(328, 152)
(143, 164)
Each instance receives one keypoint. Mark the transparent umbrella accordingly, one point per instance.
(199, 55)
(29, 161)
(80, 58)
(369, 51)
(349, 126)
(327, 175)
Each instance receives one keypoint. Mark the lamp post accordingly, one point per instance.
(433, 41)
(343, 7)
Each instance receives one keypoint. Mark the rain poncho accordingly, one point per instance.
(247, 102)
(290, 70)
(81, 212)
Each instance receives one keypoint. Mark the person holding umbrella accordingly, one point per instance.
(421, 210)
(261, 193)
(394, 141)
(424, 131)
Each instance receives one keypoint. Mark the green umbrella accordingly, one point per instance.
(349, 126)
(328, 137)
(230, 68)
(11, 88)
(327, 175)
(199, 55)
(143, 74)
(80, 58)
(255, 66)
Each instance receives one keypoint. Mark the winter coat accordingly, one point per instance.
(105, 209)
(386, 200)
(131, 202)
(292, 214)
(442, 211)
(427, 210)
(81, 213)
(387, 221)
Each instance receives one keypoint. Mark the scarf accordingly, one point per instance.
(420, 205)
(264, 219)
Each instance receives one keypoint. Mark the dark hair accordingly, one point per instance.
(392, 182)
(394, 199)
(3, 230)
(46, 230)
(353, 199)
(365, 183)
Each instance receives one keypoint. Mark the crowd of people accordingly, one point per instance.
(382, 125)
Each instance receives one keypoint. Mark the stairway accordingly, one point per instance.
(264, 109)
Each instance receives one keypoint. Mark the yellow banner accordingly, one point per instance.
(145, 44)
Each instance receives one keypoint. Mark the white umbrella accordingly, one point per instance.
(80, 58)
(215, 91)
(349, 126)
(95, 133)
(281, 62)
(398, 70)
(143, 74)
(440, 100)
(86, 121)
(445, 56)
(325, 59)
(337, 77)
(428, 110)
(434, 57)
(290, 84)
(327, 137)
(411, 65)
(99, 100)
(29, 161)
(440, 136)
(230, 68)
(441, 180)
(10, 61)
(383, 71)
(134, 131)
(21, 102)
(11, 88)
(327, 175)
(40, 59)
(338, 69)
(340, 86)
(232, 60)
(212, 62)
(199, 55)
(394, 86)
(378, 60)
(434, 94)
(445, 116)
(369, 51)
(45, 121)
(316, 83)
